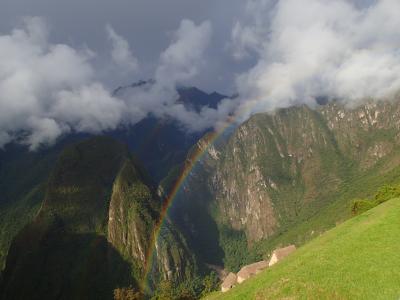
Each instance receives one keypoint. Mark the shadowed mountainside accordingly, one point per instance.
(159, 145)
(74, 249)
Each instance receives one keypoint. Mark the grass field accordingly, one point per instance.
(359, 259)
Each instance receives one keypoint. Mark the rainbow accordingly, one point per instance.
(190, 163)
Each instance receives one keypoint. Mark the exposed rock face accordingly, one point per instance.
(276, 170)
(131, 217)
(133, 214)
(268, 170)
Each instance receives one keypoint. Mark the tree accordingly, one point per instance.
(127, 293)
(164, 291)
(210, 283)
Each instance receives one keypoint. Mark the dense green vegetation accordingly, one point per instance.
(277, 179)
(90, 233)
(357, 260)
(66, 240)
(384, 194)
(11, 221)
(382, 188)
(190, 290)
(234, 244)
(356, 185)
(318, 162)
(23, 177)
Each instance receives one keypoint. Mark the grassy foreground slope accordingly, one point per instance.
(359, 259)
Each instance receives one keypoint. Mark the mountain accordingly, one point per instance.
(162, 143)
(284, 177)
(159, 144)
(133, 217)
(92, 231)
(84, 212)
(23, 176)
(355, 260)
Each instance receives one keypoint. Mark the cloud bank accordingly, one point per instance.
(300, 50)
(47, 89)
(121, 53)
(307, 49)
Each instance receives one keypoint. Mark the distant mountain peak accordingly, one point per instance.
(136, 84)
(192, 97)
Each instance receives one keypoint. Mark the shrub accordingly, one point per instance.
(210, 283)
(384, 193)
(234, 245)
(127, 294)
(165, 291)
(387, 192)
(360, 206)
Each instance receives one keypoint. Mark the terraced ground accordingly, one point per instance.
(359, 259)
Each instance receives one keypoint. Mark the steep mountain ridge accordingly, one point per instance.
(23, 177)
(275, 179)
(285, 176)
(159, 145)
(133, 217)
(98, 205)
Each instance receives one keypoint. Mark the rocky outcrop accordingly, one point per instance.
(280, 169)
(133, 217)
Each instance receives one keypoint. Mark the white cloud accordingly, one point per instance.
(43, 131)
(182, 59)
(32, 71)
(121, 53)
(312, 48)
(88, 109)
(180, 62)
(302, 50)
(48, 89)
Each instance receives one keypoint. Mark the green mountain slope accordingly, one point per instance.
(66, 242)
(285, 177)
(359, 259)
(92, 230)
(23, 181)
(158, 143)
(133, 214)
(22, 186)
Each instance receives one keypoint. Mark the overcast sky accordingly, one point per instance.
(60, 60)
(146, 24)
